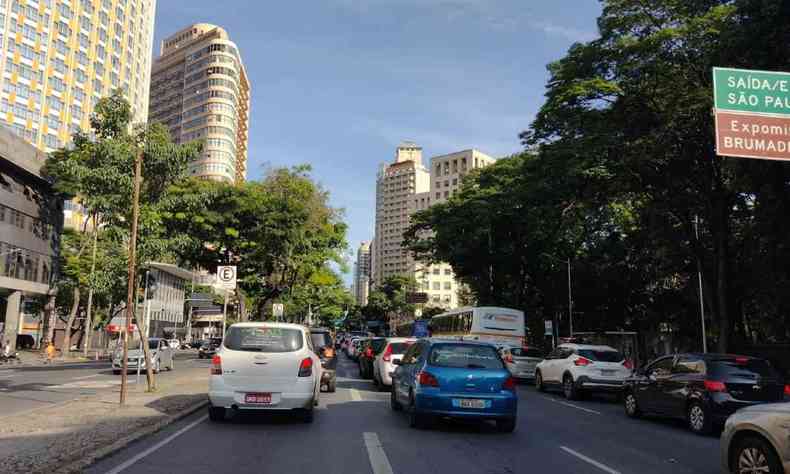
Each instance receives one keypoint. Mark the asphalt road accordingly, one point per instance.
(25, 389)
(356, 432)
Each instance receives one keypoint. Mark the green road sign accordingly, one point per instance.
(743, 90)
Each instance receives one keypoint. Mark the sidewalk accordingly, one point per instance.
(35, 358)
(67, 437)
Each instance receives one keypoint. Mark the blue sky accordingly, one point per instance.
(339, 83)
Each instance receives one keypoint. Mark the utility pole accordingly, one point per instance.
(88, 319)
(138, 171)
(570, 299)
(224, 314)
(701, 301)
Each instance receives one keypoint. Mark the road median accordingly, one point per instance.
(68, 437)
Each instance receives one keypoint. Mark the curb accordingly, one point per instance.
(86, 459)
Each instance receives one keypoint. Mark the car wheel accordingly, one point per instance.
(753, 454)
(539, 382)
(331, 387)
(216, 413)
(506, 426)
(416, 419)
(631, 405)
(698, 420)
(394, 403)
(569, 388)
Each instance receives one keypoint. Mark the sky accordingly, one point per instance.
(337, 84)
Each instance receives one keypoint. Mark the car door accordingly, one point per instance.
(545, 366)
(557, 364)
(403, 379)
(649, 385)
(687, 370)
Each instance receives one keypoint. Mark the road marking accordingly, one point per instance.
(584, 458)
(572, 405)
(355, 395)
(158, 445)
(376, 454)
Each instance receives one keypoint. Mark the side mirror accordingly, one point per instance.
(397, 362)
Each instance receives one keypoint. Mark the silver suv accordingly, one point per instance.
(757, 439)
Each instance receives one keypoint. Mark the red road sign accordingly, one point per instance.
(752, 136)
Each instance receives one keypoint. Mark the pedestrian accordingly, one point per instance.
(50, 352)
(7, 349)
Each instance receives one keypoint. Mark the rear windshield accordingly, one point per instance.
(378, 344)
(601, 356)
(399, 347)
(264, 339)
(743, 368)
(518, 352)
(465, 356)
(321, 339)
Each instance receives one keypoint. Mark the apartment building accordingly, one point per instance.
(200, 91)
(396, 185)
(403, 188)
(362, 274)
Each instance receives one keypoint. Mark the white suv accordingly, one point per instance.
(581, 368)
(384, 363)
(265, 366)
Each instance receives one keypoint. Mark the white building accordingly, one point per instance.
(362, 269)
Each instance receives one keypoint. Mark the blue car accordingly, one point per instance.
(457, 379)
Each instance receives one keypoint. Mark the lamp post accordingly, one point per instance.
(570, 290)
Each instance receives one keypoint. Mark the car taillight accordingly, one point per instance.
(306, 367)
(787, 390)
(387, 356)
(715, 386)
(427, 379)
(510, 384)
(369, 353)
(216, 365)
(581, 361)
(509, 358)
(628, 364)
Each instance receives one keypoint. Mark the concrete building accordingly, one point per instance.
(396, 186)
(165, 298)
(404, 188)
(200, 91)
(362, 274)
(31, 221)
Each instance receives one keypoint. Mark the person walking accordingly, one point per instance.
(7, 349)
(50, 352)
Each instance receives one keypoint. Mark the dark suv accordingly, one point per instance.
(367, 354)
(703, 389)
(323, 345)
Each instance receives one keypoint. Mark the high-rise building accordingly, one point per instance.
(362, 274)
(396, 186)
(404, 188)
(200, 91)
(58, 58)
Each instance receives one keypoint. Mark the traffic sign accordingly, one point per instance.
(549, 328)
(278, 309)
(752, 110)
(226, 277)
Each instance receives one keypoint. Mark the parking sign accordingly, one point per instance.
(226, 277)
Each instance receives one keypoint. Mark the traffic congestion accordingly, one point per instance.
(473, 366)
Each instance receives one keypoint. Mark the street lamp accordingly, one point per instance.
(570, 294)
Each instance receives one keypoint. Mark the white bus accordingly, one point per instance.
(489, 323)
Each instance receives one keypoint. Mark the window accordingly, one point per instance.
(689, 365)
(436, 271)
(448, 285)
(412, 354)
(437, 285)
(661, 367)
(465, 356)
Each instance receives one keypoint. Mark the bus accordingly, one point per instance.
(417, 328)
(489, 323)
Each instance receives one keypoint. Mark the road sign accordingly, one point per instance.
(226, 277)
(278, 309)
(416, 298)
(752, 111)
(549, 328)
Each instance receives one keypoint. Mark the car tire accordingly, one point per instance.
(539, 386)
(631, 405)
(506, 426)
(417, 420)
(331, 386)
(216, 413)
(754, 454)
(307, 415)
(394, 403)
(116, 371)
(698, 419)
(569, 388)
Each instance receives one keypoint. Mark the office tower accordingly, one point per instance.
(362, 274)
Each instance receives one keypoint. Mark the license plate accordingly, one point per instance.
(259, 398)
(471, 403)
(608, 372)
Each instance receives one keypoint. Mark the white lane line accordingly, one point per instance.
(87, 377)
(129, 462)
(572, 405)
(376, 454)
(355, 395)
(593, 462)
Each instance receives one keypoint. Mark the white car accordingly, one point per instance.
(353, 347)
(159, 350)
(265, 366)
(755, 439)
(522, 361)
(384, 363)
(581, 368)
(174, 343)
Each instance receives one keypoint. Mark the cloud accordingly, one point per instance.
(552, 29)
